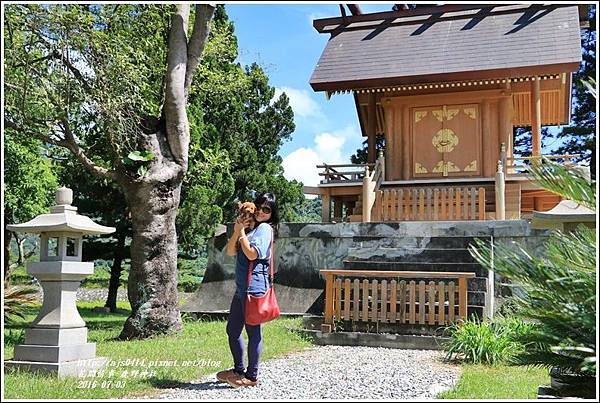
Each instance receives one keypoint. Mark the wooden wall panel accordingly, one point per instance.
(538, 200)
(550, 105)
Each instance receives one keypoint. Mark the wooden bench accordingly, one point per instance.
(375, 299)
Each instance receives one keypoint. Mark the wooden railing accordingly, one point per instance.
(508, 169)
(513, 169)
(332, 174)
(430, 204)
(438, 302)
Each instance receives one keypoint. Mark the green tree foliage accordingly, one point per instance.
(29, 184)
(559, 288)
(362, 154)
(310, 211)
(89, 71)
(580, 136)
(106, 83)
(243, 121)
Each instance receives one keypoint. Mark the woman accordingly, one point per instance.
(253, 246)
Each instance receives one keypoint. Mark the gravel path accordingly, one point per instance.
(92, 294)
(336, 372)
(100, 294)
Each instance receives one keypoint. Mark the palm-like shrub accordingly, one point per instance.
(17, 301)
(559, 287)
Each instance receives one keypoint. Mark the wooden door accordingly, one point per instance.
(446, 141)
(425, 126)
(465, 156)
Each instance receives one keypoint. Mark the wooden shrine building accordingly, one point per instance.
(445, 86)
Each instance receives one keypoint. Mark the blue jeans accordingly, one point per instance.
(235, 323)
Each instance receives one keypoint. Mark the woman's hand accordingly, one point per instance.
(240, 225)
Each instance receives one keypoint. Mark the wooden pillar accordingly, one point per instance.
(327, 326)
(536, 118)
(500, 193)
(371, 128)
(405, 134)
(505, 122)
(325, 208)
(462, 298)
(367, 197)
(337, 209)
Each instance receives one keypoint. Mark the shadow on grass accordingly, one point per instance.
(103, 320)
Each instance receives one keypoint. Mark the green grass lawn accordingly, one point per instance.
(200, 349)
(188, 275)
(498, 382)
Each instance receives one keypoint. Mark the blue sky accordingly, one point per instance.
(281, 38)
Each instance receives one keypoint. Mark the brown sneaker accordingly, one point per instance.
(239, 381)
(222, 376)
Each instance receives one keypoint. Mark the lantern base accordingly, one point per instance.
(55, 336)
(79, 368)
(54, 354)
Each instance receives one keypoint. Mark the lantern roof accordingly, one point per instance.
(62, 218)
(565, 211)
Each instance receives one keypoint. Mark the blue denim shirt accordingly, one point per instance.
(260, 238)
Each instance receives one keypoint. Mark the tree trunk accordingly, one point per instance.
(7, 237)
(21, 249)
(152, 283)
(115, 271)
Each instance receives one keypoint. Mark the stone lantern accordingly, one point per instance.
(56, 341)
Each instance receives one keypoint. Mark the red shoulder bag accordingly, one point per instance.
(262, 309)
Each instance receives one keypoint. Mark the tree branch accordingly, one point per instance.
(69, 143)
(204, 13)
(57, 55)
(34, 61)
(177, 126)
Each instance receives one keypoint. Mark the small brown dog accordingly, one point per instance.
(246, 211)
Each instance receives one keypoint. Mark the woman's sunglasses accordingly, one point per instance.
(265, 209)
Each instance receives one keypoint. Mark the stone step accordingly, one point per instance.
(415, 242)
(404, 341)
(409, 254)
(416, 266)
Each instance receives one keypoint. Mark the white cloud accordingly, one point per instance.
(301, 164)
(301, 102)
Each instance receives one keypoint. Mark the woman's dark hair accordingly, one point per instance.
(270, 200)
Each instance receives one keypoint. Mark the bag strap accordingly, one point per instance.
(250, 272)
(271, 264)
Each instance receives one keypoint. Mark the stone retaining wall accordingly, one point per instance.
(302, 249)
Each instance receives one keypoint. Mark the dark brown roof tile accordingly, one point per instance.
(450, 46)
